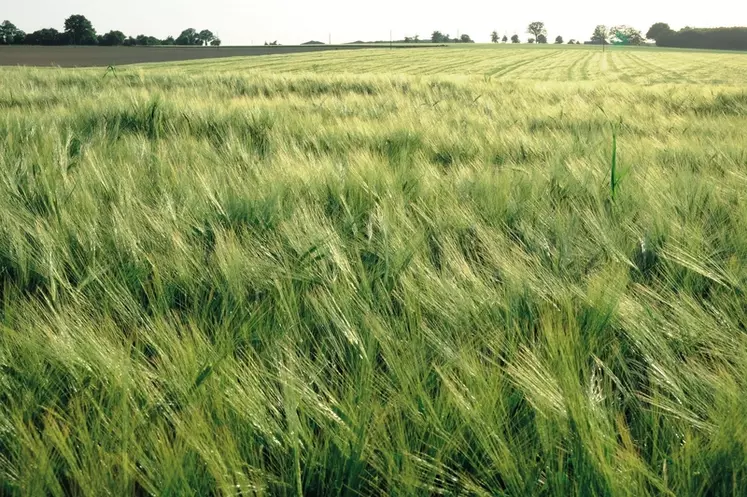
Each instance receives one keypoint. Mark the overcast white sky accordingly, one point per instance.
(241, 22)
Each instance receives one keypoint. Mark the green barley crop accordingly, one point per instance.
(376, 273)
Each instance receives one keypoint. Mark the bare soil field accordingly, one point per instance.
(71, 56)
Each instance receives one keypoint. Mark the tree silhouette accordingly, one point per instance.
(559, 40)
(515, 39)
(494, 37)
(600, 35)
(80, 30)
(113, 39)
(47, 36)
(625, 35)
(188, 37)
(9, 33)
(537, 29)
(658, 31)
(147, 41)
(709, 38)
(205, 37)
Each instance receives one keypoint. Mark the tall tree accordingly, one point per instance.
(505, 39)
(537, 29)
(188, 37)
(8, 33)
(515, 39)
(625, 35)
(494, 37)
(80, 30)
(438, 37)
(658, 31)
(559, 40)
(205, 36)
(600, 35)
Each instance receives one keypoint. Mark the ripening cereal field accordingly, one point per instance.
(490, 272)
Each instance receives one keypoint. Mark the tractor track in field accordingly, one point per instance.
(506, 69)
(584, 75)
(619, 75)
(661, 69)
(572, 68)
(513, 68)
(447, 69)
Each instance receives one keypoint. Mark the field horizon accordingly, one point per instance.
(70, 56)
(376, 272)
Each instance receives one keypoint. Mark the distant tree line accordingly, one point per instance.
(714, 38)
(80, 31)
(616, 35)
(711, 38)
(538, 33)
(734, 38)
(438, 37)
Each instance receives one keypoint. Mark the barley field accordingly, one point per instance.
(489, 272)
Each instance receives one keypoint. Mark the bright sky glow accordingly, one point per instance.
(240, 22)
